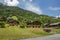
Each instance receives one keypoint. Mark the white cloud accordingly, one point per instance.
(33, 8)
(58, 16)
(11, 3)
(54, 8)
(28, 0)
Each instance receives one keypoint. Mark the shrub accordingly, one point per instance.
(2, 25)
(22, 26)
(6, 25)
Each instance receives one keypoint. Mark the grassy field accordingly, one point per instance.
(19, 33)
(57, 31)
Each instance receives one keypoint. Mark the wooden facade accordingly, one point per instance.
(13, 22)
(34, 24)
(3, 19)
(54, 25)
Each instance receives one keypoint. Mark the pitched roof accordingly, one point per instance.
(55, 23)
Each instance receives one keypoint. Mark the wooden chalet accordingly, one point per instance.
(34, 24)
(13, 22)
(3, 19)
(55, 25)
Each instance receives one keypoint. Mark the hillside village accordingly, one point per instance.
(14, 16)
(29, 20)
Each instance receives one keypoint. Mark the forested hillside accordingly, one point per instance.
(25, 16)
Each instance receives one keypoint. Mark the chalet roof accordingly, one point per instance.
(52, 23)
(12, 21)
(55, 23)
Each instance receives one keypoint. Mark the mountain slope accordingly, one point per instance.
(24, 15)
(13, 10)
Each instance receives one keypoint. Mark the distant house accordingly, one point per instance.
(2, 19)
(13, 22)
(55, 25)
(34, 24)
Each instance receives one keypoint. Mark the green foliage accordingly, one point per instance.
(14, 17)
(2, 25)
(22, 26)
(6, 25)
(23, 15)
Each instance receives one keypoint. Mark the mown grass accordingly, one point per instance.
(19, 33)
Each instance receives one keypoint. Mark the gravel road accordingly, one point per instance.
(51, 37)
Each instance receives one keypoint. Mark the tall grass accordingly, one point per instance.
(19, 33)
(57, 31)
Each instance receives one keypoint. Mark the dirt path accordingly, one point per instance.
(51, 37)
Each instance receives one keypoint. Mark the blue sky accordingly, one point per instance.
(47, 7)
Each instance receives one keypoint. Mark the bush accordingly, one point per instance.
(2, 25)
(22, 26)
(6, 25)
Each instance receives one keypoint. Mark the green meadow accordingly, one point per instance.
(20, 33)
